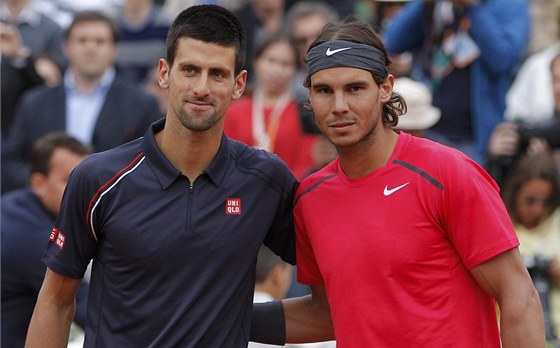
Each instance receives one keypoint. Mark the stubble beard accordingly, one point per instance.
(197, 123)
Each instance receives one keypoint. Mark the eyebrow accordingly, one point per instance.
(356, 83)
(225, 71)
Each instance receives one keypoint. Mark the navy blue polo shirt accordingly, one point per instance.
(173, 262)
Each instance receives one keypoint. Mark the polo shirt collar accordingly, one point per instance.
(166, 173)
(217, 170)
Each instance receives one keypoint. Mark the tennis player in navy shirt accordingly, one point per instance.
(173, 221)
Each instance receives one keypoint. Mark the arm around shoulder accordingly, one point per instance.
(506, 279)
(54, 312)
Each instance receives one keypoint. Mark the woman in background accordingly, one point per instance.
(268, 117)
(532, 197)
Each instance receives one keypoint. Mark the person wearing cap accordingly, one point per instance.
(404, 242)
(420, 114)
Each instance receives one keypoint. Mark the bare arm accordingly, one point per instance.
(521, 318)
(54, 311)
(308, 318)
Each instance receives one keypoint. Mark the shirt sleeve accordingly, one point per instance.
(72, 244)
(476, 219)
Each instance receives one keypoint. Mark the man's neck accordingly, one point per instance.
(191, 152)
(364, 158)
(86, 84)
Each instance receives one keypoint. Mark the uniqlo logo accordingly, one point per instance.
(233, 206)
(54, 234)
(60, 239)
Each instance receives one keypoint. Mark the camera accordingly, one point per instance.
(548, 130)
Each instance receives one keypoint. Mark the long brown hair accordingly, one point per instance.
(351, 28)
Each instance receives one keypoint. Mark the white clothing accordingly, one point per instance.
(530, 98)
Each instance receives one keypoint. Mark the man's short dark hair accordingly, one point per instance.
(208, 23)
(43, 150)
(266, 261)
(94, 16)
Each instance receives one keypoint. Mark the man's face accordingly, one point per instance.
(90, 49)
(201, 83)
(347, 104)
(49, 188)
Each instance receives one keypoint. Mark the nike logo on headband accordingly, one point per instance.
(331, 52)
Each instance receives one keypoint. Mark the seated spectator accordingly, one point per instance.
(92, 103)
(27, 218)
(144, 28)
(269, 118)
(532, 197)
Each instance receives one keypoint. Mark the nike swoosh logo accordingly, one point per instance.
(388, 192)
(331, 52)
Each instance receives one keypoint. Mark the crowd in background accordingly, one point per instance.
(482, 76)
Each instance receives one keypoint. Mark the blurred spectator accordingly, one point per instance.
(510, 141)
(420, 113)
(304, 21)
(466, 51)
(143, 27)
(151, 85)
(260, 18)
(20, 71)
(528, 104)
(385, 11)
(272, 281)
(545, 15)
(342, 8)
(28, 40)
(92, 104)
(63, 11)
(532, 197)
(39, 33)
(172, 7)
(27, 218)
(269, 118)
(529, 133)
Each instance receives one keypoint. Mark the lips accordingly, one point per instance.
(341, 124)
(199, 104)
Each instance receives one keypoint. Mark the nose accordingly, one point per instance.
(340, 104)
(201, 87)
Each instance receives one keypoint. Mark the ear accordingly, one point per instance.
(163, 73)
(386, 88)
(240, 83)
(37, 184)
